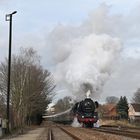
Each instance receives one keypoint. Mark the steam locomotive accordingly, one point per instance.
(86, 113)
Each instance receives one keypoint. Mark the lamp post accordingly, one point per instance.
(9, 18)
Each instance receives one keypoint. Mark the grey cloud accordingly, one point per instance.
(125, 80)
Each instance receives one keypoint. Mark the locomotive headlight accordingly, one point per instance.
(94, 116)
(82, 116)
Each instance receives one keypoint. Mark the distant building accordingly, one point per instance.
(134, 112)
(108, 111)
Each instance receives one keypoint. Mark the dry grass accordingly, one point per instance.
(117, 123)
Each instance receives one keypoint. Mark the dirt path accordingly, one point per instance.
(31, 135)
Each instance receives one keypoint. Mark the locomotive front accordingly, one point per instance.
(86, 113)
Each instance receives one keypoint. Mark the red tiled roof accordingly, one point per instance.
(109, 107)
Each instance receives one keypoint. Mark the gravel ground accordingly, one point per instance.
(60, 135)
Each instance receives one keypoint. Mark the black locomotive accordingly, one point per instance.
(86, 113)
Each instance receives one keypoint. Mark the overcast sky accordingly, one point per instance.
(38, 21)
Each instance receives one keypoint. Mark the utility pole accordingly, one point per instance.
(9, 18)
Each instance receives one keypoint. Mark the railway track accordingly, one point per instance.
(90, 134)
(70, 134)
(63, 132)
(59, 133)
(122, 128)
(129, 132)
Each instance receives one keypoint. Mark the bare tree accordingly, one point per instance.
(63, 104)
(32, 87)
(136, 97)
(112, 100)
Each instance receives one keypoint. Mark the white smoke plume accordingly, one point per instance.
(75, 123)
(82, 56)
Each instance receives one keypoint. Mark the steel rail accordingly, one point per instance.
(50, 135)
(121, 127)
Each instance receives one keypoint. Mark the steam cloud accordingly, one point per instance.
(82, 56)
